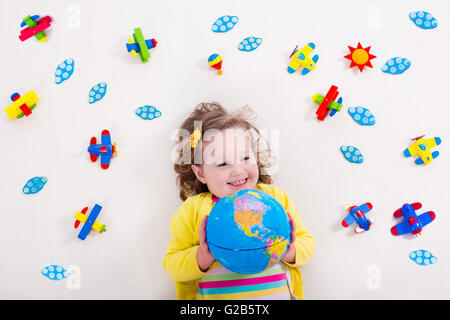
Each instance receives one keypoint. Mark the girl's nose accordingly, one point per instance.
(237, 170)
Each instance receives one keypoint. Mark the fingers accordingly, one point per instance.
(206, 256)
(202, 233)
(292, 228)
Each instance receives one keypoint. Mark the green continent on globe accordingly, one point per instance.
(274, 252)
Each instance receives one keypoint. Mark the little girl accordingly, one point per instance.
(223, 157)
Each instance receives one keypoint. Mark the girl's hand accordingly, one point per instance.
(289, 256)
(204, 257)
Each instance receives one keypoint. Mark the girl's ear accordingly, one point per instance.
(198, 173)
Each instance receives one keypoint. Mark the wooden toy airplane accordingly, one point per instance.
(105, 150)
(422, 147)
(300, 58)
(327, 103)
(35, 28)
(358, 214)
(89, 222)
(412, 223)
(22, 106)
(141, 45)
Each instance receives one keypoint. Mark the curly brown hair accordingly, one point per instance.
(213, 116)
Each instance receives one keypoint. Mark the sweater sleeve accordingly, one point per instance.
(180, 260)
(304, 244)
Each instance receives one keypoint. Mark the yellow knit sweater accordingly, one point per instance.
(180, 260)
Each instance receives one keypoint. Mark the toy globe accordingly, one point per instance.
(248, 231)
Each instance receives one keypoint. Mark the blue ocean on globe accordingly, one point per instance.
(248, 232)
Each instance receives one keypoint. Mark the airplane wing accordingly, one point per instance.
(106, 137)
(105, 159)
(398, 213)
(411, 151)
(331, 94)
(426, 218)
(42, 24)
(401, 228)
(433, 142)
(322, 111)
(348, 220)
(366, 207)
(89, 222)
(80, 217)
(92, 155)
(306, 50)
(294, 64)
(139, 39)
(416, 205)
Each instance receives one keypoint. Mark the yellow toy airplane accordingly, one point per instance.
(22, 106)
(300, 58)
(422, 147)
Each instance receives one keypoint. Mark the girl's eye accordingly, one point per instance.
(246, 158)
(223, 164)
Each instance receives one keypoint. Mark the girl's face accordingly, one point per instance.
(229, 162)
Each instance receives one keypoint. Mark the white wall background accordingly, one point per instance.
(138, 191)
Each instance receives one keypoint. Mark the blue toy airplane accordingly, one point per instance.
(412, 223)
(357, 214)
(89, 222)
(105, 150)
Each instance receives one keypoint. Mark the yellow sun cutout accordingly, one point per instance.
(360, 57)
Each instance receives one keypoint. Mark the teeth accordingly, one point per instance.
(238, 182)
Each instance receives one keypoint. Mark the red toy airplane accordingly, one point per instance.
(35, 27)
(327, 103)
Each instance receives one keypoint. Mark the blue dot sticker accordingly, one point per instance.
(423, 257)
(55, 272)
(148, 112)
(362, 116)
(97, 92)
(423, 19)
(396, 65)
(224, 24)
(34, 185)
(64, 70)
(249, 44)
(352, 154)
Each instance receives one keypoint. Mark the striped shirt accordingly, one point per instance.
(220, 283)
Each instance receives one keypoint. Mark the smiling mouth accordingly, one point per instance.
(238, 183)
